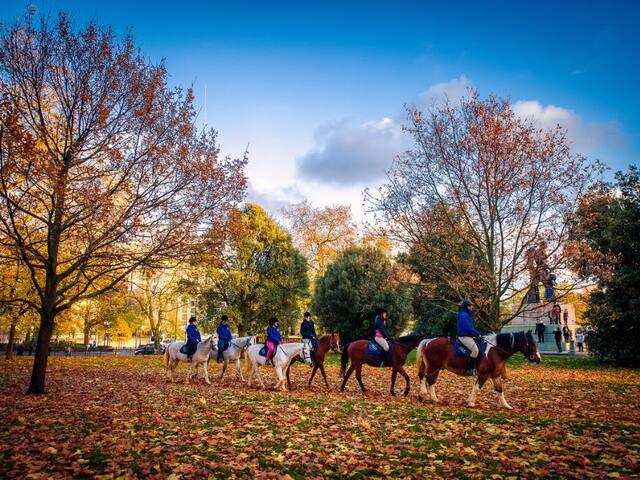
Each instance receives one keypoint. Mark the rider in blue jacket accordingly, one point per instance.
(273, 339)
(467, 333)
(193, 337)
(224, 336)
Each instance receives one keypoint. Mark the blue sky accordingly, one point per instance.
(316, 89)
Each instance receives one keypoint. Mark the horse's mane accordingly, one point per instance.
(503, 340)
(409, 338)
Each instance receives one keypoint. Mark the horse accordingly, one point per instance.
(172, 356)
(233, 353)
(438, 353)
(325, 343)
(357, 353)
(282, 357)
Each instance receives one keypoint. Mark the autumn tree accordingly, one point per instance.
(259, 274)
(504, 186)
(158, 293)
(361, 279)
(14, 285)
(605, 240)
(435, 302)
(320, 233)
(102, 169)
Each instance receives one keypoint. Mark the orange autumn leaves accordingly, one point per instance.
(118, 418)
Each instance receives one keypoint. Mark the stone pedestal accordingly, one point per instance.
(528, 318)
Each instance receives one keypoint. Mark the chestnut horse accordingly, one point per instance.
(357, 353)
(438, 353)
(330, 341)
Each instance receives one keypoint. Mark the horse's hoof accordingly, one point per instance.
(471, 405)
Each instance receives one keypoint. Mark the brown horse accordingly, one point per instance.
(357, 353)
(438, 353)
(330, 341)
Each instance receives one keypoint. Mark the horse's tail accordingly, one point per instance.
(421, 363)
(344, 360)
(166, 357)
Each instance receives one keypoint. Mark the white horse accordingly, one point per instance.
(280, 361)
(172, 357)
(233, 353)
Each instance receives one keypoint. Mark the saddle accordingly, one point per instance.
(188, 349)
(462, 351)
(376, 350)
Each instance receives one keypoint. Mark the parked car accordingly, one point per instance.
(148, 349)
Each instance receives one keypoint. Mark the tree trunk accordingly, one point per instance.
(11, 342)
(37, 384)
(86, 332)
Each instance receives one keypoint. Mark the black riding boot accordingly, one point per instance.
(471, 366)
(219, 356)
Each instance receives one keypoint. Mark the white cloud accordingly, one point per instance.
(275, 199)
(453, 90)
(587, 137)
(347, 154)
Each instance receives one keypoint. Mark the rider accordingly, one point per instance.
(467, 333)
(193, 337)
(308, 333)
(273, 339)
(224, 336)
(381, 336)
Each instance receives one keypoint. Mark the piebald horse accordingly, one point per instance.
(330, 341)
(172, 357)
(233, 353)
(281, 358)
(438, 353)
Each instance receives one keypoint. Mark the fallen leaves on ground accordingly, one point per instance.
(119, 418)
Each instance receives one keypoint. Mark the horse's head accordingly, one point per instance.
(529, 348)
(334, 343)
(250, 341)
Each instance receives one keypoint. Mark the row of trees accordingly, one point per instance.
(106, 181)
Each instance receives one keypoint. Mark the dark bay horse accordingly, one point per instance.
(330, 341)
(438, 353)
(357, 353)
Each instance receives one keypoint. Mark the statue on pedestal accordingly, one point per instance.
(536, 265)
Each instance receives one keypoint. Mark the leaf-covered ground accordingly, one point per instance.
(119, 418)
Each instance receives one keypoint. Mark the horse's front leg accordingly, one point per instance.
(406, 380)
(288, 378)
(477, 385)
(239, 370)
(189, 374)
(394, 375)
(281, 379)
(205, 366)
(324, 375)
(313, 374)
(497, 386)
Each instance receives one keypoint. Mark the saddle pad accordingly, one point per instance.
(185, 349)
(463, 351)
(263, 351)
(374, 349)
